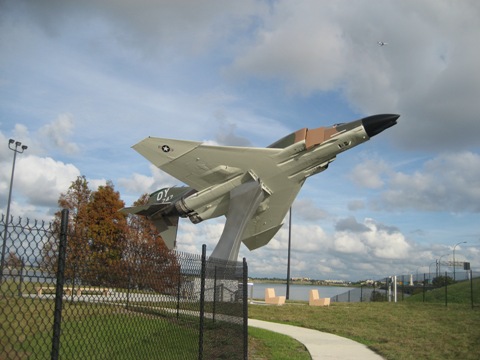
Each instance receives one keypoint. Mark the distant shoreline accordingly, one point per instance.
(300, 282)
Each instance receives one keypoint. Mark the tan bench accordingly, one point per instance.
(78, 290)
(41, 289)
(316, 300)
(270, 297)
(84, 289)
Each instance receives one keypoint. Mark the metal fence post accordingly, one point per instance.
(129, 281)
(446, 286)
(57, 318)
(214, 293)
(20, 283)
(471, 286)
(389, 290)
(178, 290)
(424, 286)
(202, 302)
(403, 286)
(245, 309)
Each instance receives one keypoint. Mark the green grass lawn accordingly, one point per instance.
(108, 331)
(264, 345)
(118, 337)
(406, 330)
(411, 329)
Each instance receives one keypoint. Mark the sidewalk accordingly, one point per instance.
(320, 345)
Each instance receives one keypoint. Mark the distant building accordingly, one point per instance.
(301, 279)
(336, 282)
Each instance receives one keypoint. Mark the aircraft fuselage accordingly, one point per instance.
(213, 172)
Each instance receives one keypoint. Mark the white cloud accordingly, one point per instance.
(369, 173)
(164, 30)
(349, 243)
(306, 209)
(374, 241)
(354, 205)
(316, 56)
(139, 184)
(38, 183)
(191, 236)
(42, 180)
(57, 133)
(251, 72)
(385, 244)
(316, 46)
(448, 182)
(94, 184)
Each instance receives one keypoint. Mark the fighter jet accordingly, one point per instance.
(253, 187)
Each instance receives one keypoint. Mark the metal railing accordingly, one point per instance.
(429, 287)
(169, 306)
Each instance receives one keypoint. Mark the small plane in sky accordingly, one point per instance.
(382, 43)
(253, 187)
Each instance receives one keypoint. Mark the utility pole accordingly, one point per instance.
(17, 148)
(454, 265)
(287, 295)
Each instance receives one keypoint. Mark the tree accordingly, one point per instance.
(75, 200)
(106, 230)
(151, 265)
(14, 261)
(378, 296)
(441, 280)
(106, 248)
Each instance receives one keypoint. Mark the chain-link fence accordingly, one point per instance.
(461, 286)
(59, 302)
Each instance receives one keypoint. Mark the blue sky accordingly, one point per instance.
(81, 82)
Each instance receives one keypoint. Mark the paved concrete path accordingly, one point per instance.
(321, 345)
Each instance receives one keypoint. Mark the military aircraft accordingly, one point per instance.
(253, 187)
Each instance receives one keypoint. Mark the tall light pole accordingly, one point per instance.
(440, 263)
(429, 272)
(289, 246)
(462, 242)
(16, 147)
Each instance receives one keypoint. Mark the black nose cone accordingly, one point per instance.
(377, 123)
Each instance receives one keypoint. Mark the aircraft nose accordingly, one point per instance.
(375, 124)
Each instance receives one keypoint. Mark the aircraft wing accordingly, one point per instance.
(262, 227)
(203, 166)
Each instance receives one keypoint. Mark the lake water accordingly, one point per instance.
(297, 292)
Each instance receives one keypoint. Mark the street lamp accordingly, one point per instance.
(462, 242)
(417, 272)
(289, 247)
(440, 263)
(16, 147)
(429, 271)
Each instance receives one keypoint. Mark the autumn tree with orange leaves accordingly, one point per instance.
(75, 200)
(151, 265)
(106, 248)
(106, 237)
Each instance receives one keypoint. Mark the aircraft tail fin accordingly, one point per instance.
(167, 226)
(144, 210)
(261, 239)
